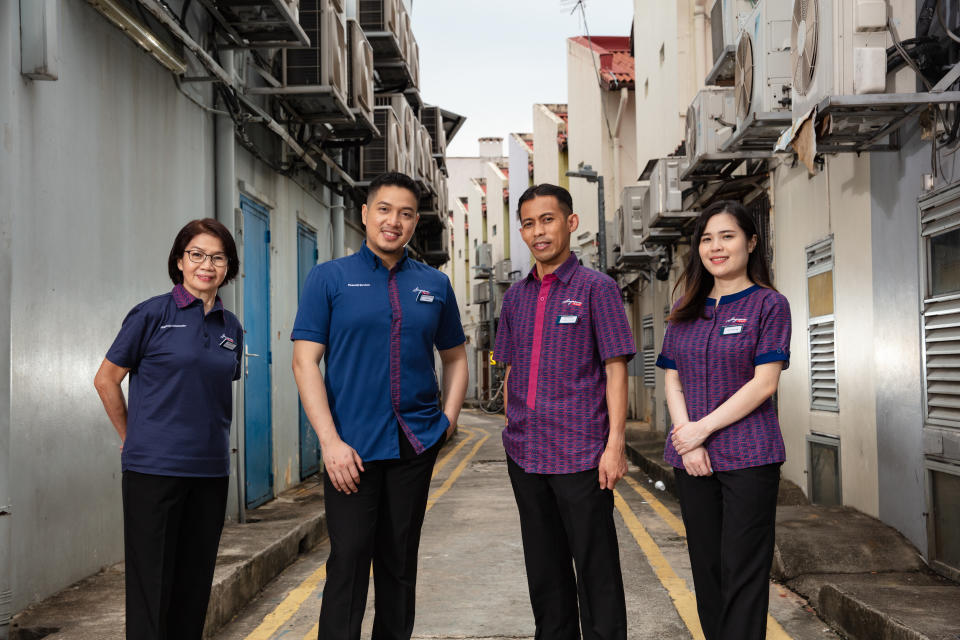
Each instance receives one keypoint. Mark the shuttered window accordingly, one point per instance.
(940, 229)
(649, 353)
(820, 327)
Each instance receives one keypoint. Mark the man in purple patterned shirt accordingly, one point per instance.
(564, 337)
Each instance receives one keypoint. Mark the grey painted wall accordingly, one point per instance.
(895, 185)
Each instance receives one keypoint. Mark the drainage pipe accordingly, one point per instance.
(700, 43)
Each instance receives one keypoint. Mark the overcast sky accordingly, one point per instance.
(491, 60)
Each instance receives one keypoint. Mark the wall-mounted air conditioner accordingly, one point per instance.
(631, 229)
(502, 271)
(380, 17)
(408, 126)
(762, 69)
(413, 61)
(839, 48)
(425, 162)
(710, 121)
(324, 63)
(361, 72)
(725, 19)
(432, 119)
(665, 195)
(484, 257)
(385, 153)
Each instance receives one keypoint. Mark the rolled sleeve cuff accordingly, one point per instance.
(456, 342)
(778, 355)
(311, 336)
(665, 363)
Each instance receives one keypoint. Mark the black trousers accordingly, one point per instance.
(171, 531)
(566, 521)
(730, 519)
(380, 523)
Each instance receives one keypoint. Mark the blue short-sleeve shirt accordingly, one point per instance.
(380, 327)
(182, 367)
(715, 356)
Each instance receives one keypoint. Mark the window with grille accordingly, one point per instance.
(940, 231)
(649, 352)
(820, 326)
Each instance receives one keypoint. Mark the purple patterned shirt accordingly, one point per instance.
(556, 335)
(715, 357)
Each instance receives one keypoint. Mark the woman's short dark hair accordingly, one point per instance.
(696, 282)
(546, 189)
(190, 231)
(392, 179)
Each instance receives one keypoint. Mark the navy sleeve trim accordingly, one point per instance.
(665, 363)
(779, 355)
(311, 336)
(456, 343)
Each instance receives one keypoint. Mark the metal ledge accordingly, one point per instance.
(722, 72)
(672, 219)
(385, 45)
(871, 122)
(261, 23)
(759, 132)
(314, 103)
(718, 166)
(661, 237)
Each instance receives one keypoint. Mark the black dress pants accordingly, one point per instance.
(566, 521)
(730, 518)
(171, 531)
(381, 522)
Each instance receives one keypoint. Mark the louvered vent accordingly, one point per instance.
(649, 353)
(940, 228)
(820, 327)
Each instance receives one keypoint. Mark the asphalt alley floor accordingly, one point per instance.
(471, 576)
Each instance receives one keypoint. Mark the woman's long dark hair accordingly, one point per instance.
(697, 281)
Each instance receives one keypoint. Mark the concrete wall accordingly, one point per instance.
(667, 83)
(546, 151)
(99, 170)
(588, 139)
(498, 230)
(519, 178)
(836, 201)
(104, 166)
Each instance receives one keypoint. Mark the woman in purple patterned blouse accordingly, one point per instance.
(727, 340)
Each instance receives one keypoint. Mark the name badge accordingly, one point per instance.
(228, 343)
(726, 331)
(425, 296)
(568, 319)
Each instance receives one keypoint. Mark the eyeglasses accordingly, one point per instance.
(217, 259)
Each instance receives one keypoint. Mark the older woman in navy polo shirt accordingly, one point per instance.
(727, 341)
(182, 351)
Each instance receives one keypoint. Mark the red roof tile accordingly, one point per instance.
(616, 63)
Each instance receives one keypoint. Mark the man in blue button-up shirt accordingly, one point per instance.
(375, 317)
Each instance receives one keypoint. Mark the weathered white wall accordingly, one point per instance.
(546, 151)
(519, 180)
(835, 201)
(497, 235)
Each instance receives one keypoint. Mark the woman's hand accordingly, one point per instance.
(688, 436)
(342, 464)
(697, 462)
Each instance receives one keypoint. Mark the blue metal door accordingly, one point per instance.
(306, 259)
(258, 428)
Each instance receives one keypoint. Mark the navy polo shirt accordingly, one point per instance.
(182, 367)
(379, 327)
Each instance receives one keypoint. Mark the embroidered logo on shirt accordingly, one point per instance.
(574, 303)
(358, 284)
(737, 320)
(172, 326)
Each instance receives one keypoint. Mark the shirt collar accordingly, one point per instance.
(733, 297)
(184, 299)
(374, 261)
(563, 273)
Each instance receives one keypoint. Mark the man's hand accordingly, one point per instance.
(451, 428)
(688, 436)
(342, 464)
(613, 466)
(697, 462)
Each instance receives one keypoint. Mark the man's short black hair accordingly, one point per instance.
(392, 179)
(545, 189)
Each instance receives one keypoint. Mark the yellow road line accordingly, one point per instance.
(295, 599)
(683, 599)
(285, 610)
(774, 630)
(457, 471)
(443, 461)
(673, 521)
(312, 634)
